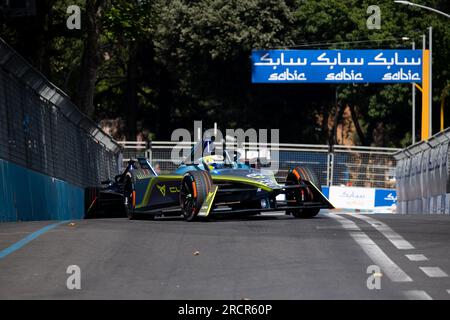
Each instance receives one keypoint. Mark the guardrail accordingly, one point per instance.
(370, 167)
(41, 129)
(49, 150)
(422, 171)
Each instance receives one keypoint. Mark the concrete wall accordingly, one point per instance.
(27, 195)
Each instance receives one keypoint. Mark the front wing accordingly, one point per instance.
(229, 195)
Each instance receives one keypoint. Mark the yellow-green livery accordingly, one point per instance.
(216, 183)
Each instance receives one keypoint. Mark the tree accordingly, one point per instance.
(161, 64)
(91, 59)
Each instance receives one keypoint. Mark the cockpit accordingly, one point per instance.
(212, 156)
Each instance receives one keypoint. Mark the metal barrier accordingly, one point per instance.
(49, 150)
(422, 172)
(41, 129)
(370, 167)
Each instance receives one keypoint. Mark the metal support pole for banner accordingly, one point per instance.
(430, 66)
(328, 169)
(413, 138)
(430, 95)
(425, 128)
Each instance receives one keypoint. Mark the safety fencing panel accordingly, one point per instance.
(45, 141)
(368, 167)
(422, 175)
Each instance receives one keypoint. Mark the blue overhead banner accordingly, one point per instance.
(336, 66)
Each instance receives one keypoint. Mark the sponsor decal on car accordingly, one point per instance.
(162, 189)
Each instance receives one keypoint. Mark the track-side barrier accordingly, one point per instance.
(49, 150)
(422, 174)
(358, 177)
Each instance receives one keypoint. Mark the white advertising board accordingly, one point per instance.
(352, 197)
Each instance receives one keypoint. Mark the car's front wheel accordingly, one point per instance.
(296, 177)
(129, 198)
(194, 189)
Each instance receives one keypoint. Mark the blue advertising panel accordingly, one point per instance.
(385, 197)
(336, 66)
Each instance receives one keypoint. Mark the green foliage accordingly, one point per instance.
(194, 62)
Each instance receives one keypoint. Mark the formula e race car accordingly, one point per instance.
(217, 183)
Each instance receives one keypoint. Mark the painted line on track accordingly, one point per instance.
(19, 244)
(397, 240)
(417, 295)
(434, 272)
(416, 257)
(388, 267)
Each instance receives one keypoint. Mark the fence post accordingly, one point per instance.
(330, 165)
(148, 153)
(328, 169)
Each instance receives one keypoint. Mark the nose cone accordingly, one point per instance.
(267, 178)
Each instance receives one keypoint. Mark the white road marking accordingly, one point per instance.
(397, 240)
(417, 295)
(434, 272)
(374, 252)
(416, 257)
(448, 291)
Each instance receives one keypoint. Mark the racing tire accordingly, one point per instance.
(296, 176)
(194, 189)
(129, 197)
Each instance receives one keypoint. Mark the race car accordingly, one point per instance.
(217, 183)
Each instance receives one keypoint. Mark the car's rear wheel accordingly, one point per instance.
(296, 176)
(194, 189)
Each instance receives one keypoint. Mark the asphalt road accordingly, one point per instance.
(263, 257)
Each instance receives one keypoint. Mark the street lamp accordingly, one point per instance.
(430, 30)
(423, 7)
(413, 100)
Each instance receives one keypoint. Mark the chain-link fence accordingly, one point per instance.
(369, 167)
(41, 129)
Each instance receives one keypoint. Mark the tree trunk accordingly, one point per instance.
(325, 128)
(165, 101)
(357, 126)
(91, 59)
(131, 96)
(42, 38)
(31, 35)
(337, 118)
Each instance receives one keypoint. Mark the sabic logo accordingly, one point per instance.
(390, 197)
